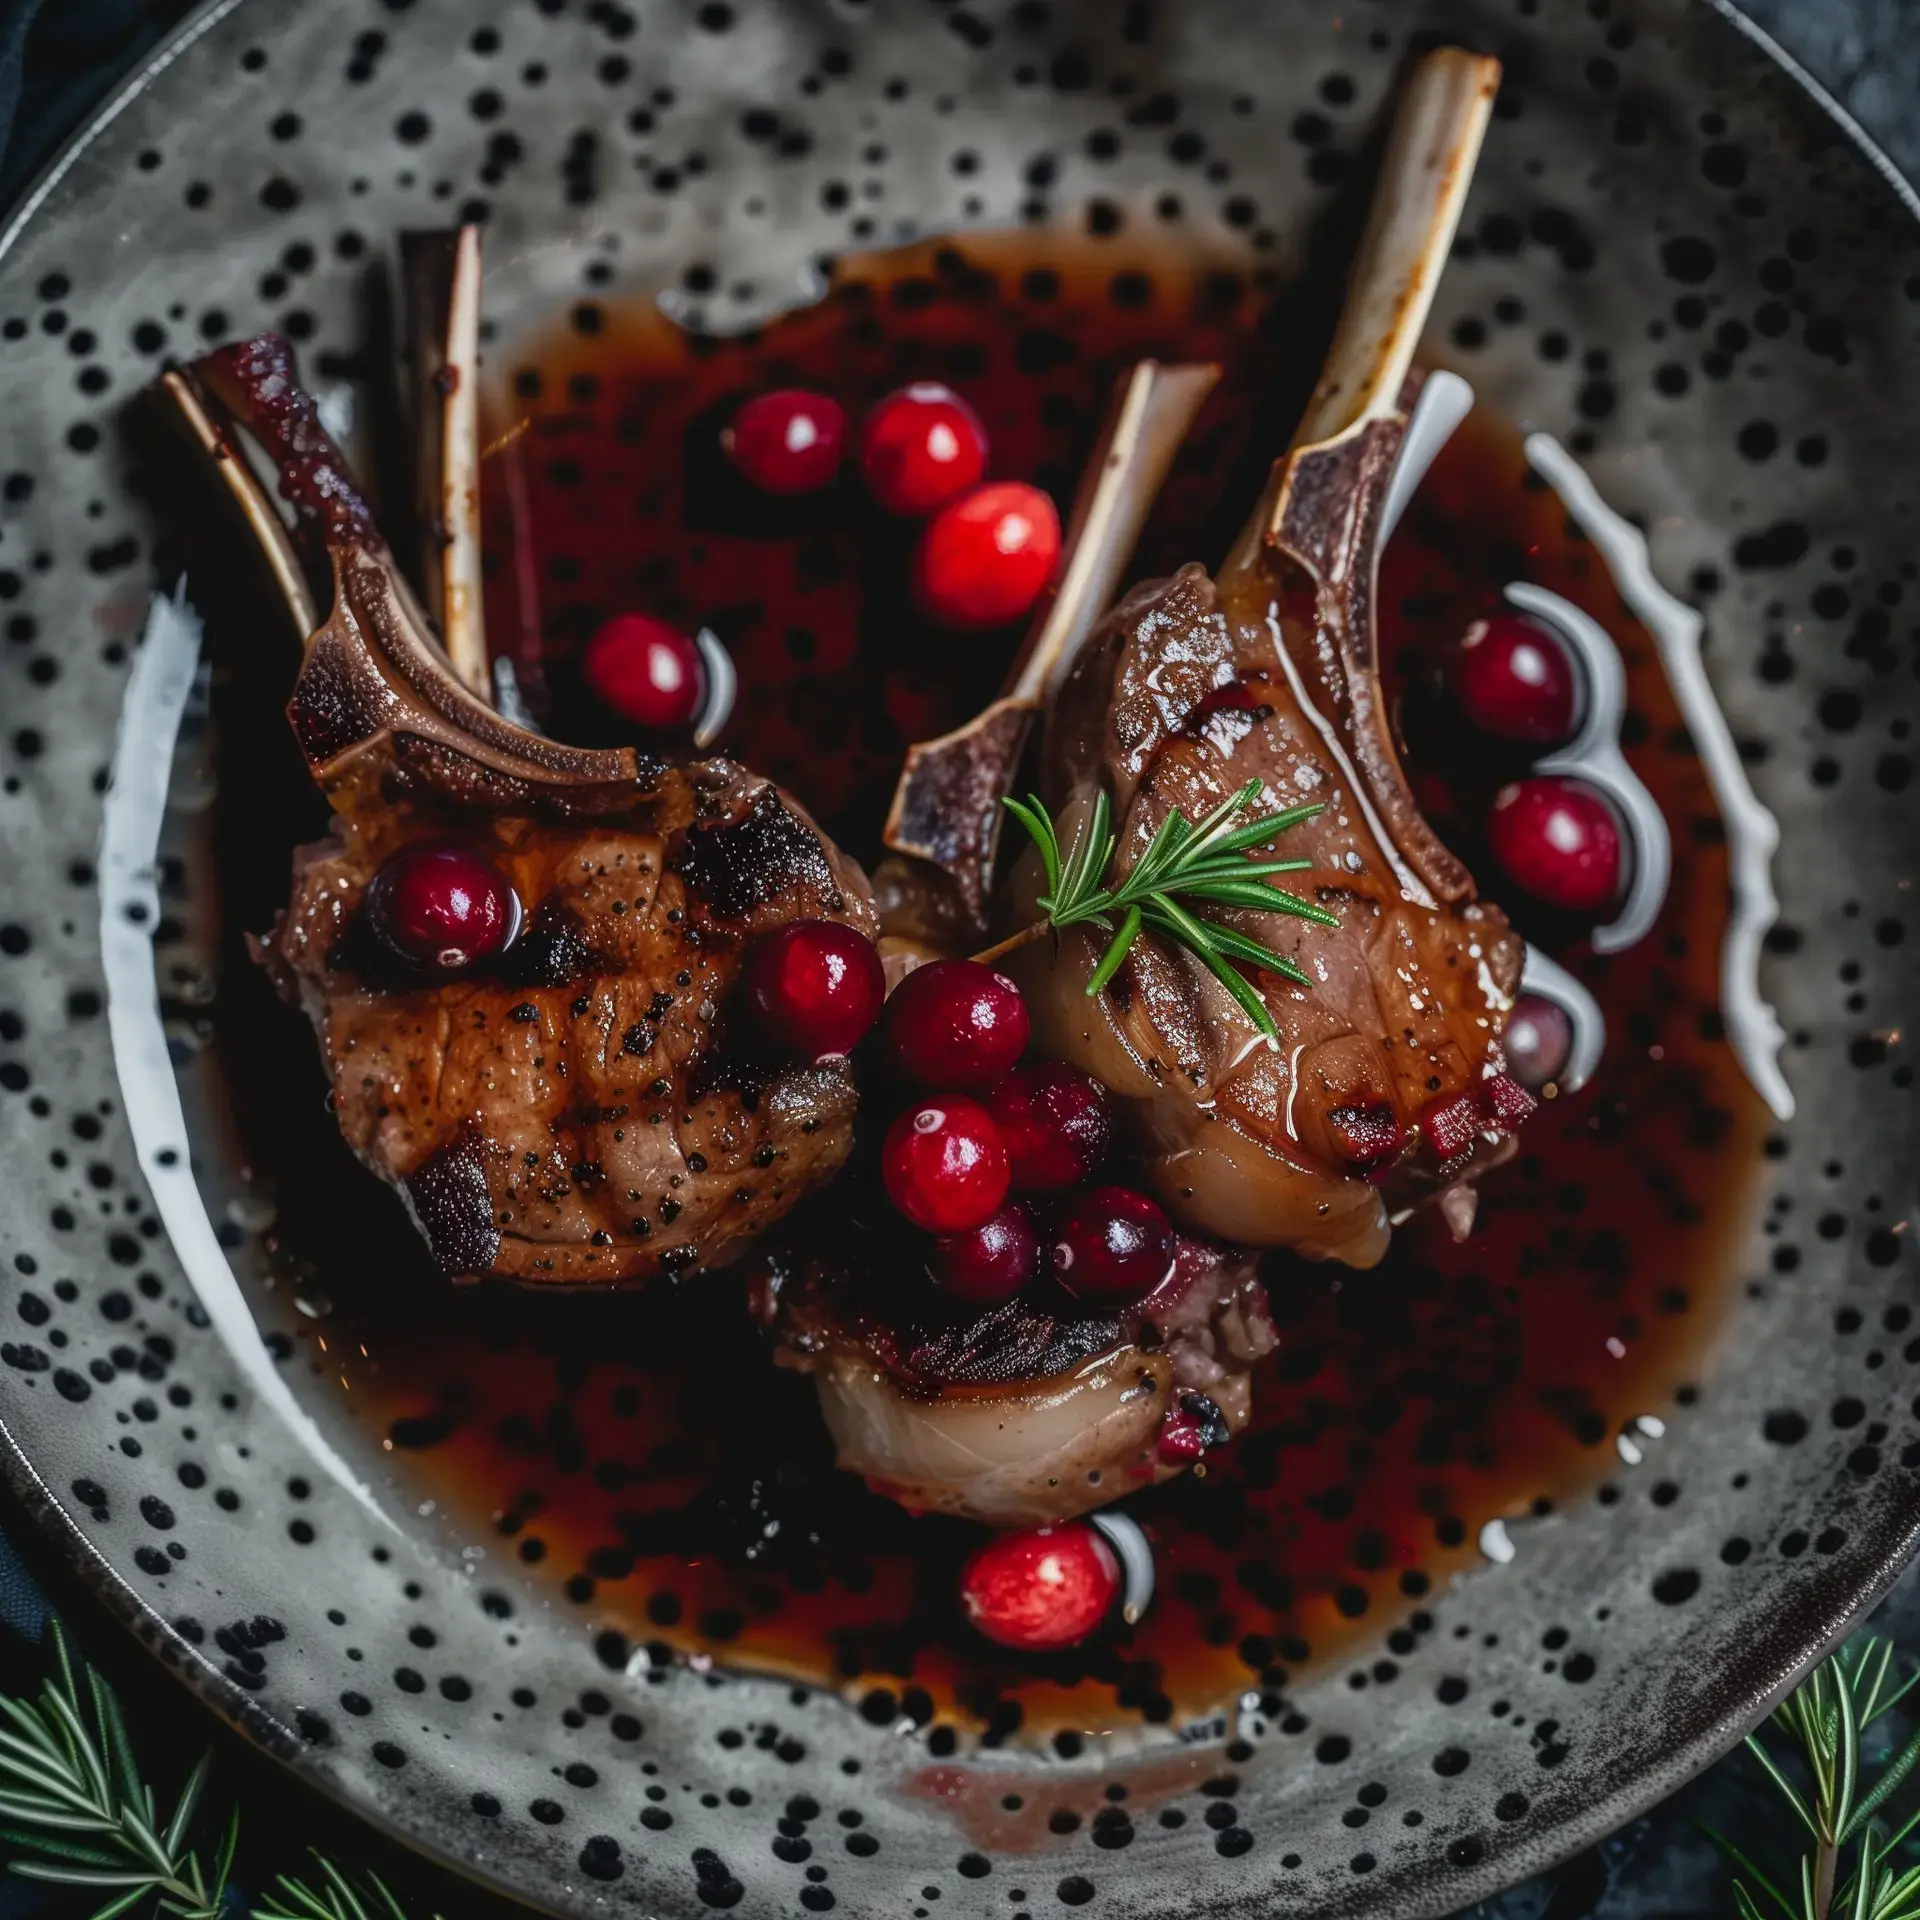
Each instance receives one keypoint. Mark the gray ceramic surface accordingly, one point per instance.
(1715, 251)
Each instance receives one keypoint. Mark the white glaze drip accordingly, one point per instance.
(1753, 834)
(157, 693)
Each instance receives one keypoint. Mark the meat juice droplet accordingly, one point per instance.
(576, 1452)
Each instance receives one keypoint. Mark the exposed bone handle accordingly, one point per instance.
(442, 273)
(256, 508)
(1147, 423)
(946, 805)
(1437, 130)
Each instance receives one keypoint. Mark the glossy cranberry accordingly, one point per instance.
(1538, 1041)
(1112, 1247)
(920, 447)
(788, 441)
(985, 558)
(944, 1165)
(1047, 1588)
(993, 1262)
(646, 671)
(1559, 840)
(442, 905)
(955, 1023)
(1056, 1123)
(815, 987)
(1513, 679)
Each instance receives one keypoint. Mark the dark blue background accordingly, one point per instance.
(57, 58)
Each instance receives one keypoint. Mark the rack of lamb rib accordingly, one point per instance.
(1385, 1081)
(521, 958)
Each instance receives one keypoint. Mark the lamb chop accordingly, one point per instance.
(1383, 1078)
(1388, 1061)
(1030, 1412)
(562, 1089)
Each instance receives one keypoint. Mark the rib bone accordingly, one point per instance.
(1307, 559)
(946, 807)
(442, 273)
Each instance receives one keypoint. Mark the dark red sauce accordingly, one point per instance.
(643, 1457)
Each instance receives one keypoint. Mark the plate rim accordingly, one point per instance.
(1421, 1896)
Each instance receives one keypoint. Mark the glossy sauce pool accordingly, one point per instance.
(644, 1457)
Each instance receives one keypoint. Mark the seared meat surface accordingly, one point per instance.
(587, 1109)
(1388, 1073)
(1029, 1412)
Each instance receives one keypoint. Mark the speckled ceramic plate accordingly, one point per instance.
(1680, 262)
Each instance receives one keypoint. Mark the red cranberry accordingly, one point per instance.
(646, 671)
(955, 1023)
(1055, 1122)
(1112, 1247)
(1040, 1590)
(816, 986)
(993, 1262)
(920, 447)
(1559, 840)
(1513, 679)
(789, 441)
(985, 558)
(944, 1165)
(442, 904)
(1538, 1041)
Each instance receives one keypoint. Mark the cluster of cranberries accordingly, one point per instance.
(1511, 678)
(987, 551)
(983, 558)
(987, 1144)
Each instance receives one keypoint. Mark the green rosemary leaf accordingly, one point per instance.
(1207, 831)
(1033, 816)
(1237, 946)
(82, 1876)
(1198, 936)
(1115, 953)
(70, 1852)
(1257, 897)
(1163, 849)
(1092, 850)
(1236, 869)
(125, 1903)
(183, 1810)
(1847, 1738)
(1884, 1788)
(1786, 1786)
(1747, 1867)
(1257, 833)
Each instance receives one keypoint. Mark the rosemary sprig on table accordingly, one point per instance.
(1827, 1717)
(75, 1812)
(1185, 862)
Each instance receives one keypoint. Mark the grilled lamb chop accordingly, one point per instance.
(1390, 1062)
(1387, 1081)
(585, 1109)
(1032, 1411)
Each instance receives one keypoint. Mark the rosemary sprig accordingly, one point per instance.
(1827, 1718)
(336, 1898)
(1202, 862)
(75, 1812)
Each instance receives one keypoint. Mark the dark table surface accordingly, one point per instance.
(57, 57)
